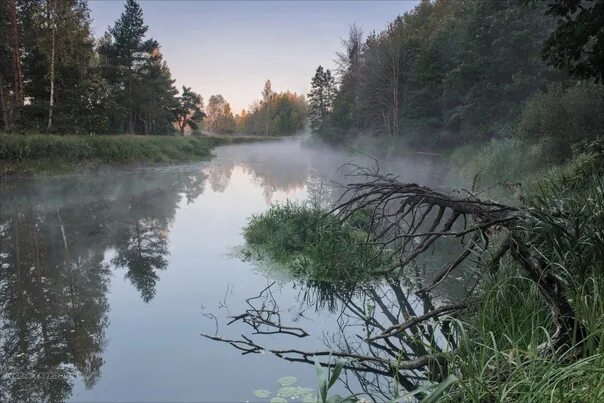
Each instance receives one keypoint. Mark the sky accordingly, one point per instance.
(233, 47)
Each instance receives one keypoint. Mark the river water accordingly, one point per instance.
(108, 280)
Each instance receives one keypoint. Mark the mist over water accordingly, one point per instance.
(109, 278)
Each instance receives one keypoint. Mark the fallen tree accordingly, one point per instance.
(406, 222)
(407, 219)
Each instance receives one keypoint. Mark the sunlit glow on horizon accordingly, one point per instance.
(231, 48)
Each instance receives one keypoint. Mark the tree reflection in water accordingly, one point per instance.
(54, 278)
(379, 361)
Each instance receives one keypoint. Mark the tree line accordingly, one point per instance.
(55, 77)
(454, 71)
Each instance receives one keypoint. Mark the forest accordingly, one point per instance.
(458, 72)
(55, 77)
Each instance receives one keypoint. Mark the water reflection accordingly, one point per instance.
(376, 361)
(54, 276)
(64, 240)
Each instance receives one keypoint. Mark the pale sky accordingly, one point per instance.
(232, 47)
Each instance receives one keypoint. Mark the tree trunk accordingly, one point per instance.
(130, 115)
(569, 330)
(267, 115)
(5, 122)
(52, 76)
(16, 54)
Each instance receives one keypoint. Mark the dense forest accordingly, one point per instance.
(55, 77)
(453, 72)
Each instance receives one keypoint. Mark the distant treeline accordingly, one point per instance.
(55, 77)
(455, 71)
(276, 114)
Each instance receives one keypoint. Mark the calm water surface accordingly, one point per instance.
(108, 280)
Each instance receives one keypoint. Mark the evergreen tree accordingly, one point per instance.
(126, 51)
(320, 98)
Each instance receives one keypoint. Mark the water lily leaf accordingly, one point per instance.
(305, 391)
(262, 393)
(288, 391)
(278, 400)
(309, 398)
(287, 380)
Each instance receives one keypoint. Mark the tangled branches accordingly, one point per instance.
(408, 219)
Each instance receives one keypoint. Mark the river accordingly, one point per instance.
(108, 279)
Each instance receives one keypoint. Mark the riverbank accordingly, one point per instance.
(38, 154)
(502, 346)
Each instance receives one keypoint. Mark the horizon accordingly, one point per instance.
(284, 41)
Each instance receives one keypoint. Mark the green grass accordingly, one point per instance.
(498, 358)
(50, 154)
(308, 244)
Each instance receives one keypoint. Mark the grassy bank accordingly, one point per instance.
(499, 354)
(33, 154)
(498, 357)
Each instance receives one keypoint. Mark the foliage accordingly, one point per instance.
(498, 358)
(312, 244)
(119, 83)
(189, 111)
(278, 114)
(501, 167)
(578, 51)
(445, 73)
(320, 98)
(219, 116)
(140, 79)
(562, 117)
(326, 381)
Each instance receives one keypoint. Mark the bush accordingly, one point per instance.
(498, 358)
(562, 117)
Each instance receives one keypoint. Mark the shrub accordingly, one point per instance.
(562, 117)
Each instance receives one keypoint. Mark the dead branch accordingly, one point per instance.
(443, 310)
(398, 214)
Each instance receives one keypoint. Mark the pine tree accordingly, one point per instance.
(126, 50)
(320, 98)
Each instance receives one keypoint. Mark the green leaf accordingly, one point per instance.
(287, 380)
(278, 399)
(262, 393)
(322, 382)
(309, 398)
(335, 374)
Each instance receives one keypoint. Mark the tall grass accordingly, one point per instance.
(499, 358)
(305, 241)
(500, 165)
(52, 153)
